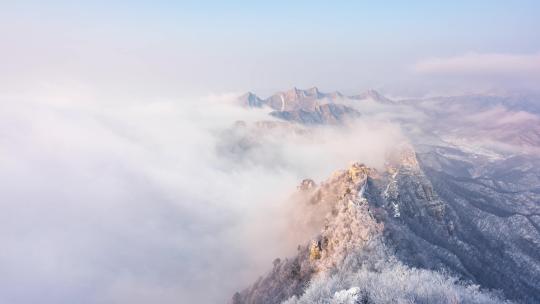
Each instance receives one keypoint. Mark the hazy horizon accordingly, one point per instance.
(170, 49)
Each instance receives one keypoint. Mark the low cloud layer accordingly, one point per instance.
(107, 202)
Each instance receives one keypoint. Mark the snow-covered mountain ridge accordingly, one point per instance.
(353, 259)
(454, 216)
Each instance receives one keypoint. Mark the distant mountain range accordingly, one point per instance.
(311, 106)
(295, 99)
(510, 120)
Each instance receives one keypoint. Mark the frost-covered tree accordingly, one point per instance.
(374, 276)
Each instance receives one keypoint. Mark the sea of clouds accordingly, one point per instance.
(131, 202)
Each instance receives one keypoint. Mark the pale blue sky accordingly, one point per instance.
(220, 46)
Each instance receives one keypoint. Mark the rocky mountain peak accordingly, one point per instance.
(373, 95)
(314, 91)
(307, 184)
(307, 100)
(249, 99)
(346, 226)
(293, 94)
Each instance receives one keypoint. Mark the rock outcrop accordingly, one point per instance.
(349, 224)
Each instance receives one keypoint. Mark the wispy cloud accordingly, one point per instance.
(472, 64)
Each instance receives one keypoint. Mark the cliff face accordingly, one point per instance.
(489, 231)
(408, 221)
